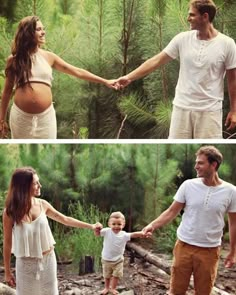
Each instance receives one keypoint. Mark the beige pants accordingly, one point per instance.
(37, 276)
(33, 126)
(199, 261)
(113, 268)
(187, 124)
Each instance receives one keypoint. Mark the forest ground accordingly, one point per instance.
(140, 278)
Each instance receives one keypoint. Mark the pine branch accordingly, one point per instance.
(136, 110)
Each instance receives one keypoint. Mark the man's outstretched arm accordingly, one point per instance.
(167, 216)
(144, 69)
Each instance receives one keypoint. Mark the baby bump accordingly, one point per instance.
(35, 99)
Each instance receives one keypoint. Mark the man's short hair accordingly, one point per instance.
(205, 6)
(212, 154)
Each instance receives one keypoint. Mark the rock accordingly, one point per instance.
(130, 292)
(74, 291)
(121, 288)
(84, 282)
(6, 290)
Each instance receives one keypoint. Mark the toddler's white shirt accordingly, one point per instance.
(113, 244)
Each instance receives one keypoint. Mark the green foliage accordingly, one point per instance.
(226, 237)
(5, 45)
(83, 133)
(165, 238)
(163, 116)
(9, 161)
(226, 169)
(76, 243)
(7, 8)
(107, 176)
(136, 110)
(41, 8)
(157, 172)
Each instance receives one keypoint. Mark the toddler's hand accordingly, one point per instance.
(97, 228)
(147, 235)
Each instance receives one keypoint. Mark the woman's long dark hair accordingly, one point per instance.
(24, 44)
(18, 202)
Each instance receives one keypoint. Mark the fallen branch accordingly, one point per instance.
(151, 258)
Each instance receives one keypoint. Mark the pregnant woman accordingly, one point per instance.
(29, 72)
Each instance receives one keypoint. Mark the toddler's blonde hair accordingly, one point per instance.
(117, 214)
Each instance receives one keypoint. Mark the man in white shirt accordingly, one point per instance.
(205, 201)
(206, 55)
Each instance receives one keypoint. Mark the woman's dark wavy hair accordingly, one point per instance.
(18, 201)
(24, 43)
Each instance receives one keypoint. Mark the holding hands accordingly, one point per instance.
(10, 280)
(147, 234)
(97, 228)
(122, 82)
(111, 84)
(118, 84)
(148, 230)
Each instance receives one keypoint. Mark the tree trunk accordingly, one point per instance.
(86, 265)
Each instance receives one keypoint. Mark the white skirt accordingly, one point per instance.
(29, 126)
(37, 276)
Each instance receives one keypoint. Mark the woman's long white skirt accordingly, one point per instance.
(33, 126)
(37, 276)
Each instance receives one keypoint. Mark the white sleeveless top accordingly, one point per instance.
(41, 71)
(31, 239)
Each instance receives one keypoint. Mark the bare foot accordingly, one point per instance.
(114, 291)
(104, 292)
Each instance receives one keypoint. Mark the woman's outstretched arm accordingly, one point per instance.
(62, 66)
(52, 213)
